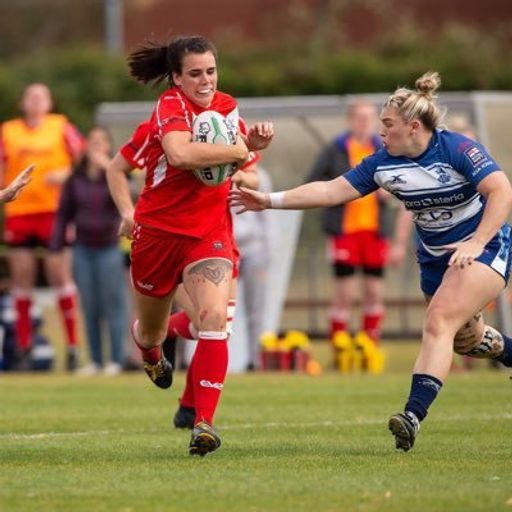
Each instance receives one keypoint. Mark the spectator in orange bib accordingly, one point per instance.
(51, 143)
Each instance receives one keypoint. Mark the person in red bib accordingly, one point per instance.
(359, 232)
(182, 227)
(52, 143)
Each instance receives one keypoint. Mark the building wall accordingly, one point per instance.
(263, 20)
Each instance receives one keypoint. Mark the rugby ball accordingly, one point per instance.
(211, 127)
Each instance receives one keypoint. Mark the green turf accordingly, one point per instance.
(290, 443)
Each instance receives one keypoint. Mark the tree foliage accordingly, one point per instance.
(83, 76)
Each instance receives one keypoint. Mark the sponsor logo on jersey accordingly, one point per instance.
(434, 201)
(482, 167)
(432, 216)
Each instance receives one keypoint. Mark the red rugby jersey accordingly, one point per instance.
(134, 150)
(173, 200)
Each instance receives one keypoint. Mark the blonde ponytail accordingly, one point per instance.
(419, 104)
(427, 84)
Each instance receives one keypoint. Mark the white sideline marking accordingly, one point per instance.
(356, 422)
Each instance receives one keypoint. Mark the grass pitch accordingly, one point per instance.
(290, 443)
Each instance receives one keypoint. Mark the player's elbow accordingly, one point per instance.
(118, 166)
(177, 158)
(329, 200)
(334, 196)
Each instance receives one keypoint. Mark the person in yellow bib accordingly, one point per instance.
(52, 144)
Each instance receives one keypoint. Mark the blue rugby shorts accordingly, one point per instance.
(497, 255)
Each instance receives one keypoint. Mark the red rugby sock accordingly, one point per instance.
(336, 326)
(22, 305)
(210, 368)
(338, 320)
(67, 306)
(181, 325)
(149, 355)
(372, 323)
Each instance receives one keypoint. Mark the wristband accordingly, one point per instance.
(276, 200)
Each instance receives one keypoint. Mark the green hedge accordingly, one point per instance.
(79, 78)
(82, 77)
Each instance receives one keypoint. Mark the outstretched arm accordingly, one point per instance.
(318, 194)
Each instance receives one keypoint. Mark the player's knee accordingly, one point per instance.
(212, 318)
(486, 345)
(438, 322)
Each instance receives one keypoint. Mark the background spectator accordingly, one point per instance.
(358, 231)
(252, 236)
(51, 143)
(97, 258)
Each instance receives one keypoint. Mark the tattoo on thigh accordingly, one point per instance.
(214, 270)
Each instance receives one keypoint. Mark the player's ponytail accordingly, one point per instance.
(427, 84)
(154, 62)
(148, 63)
(419, 104)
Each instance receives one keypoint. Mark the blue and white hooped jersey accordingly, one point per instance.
(439, 186)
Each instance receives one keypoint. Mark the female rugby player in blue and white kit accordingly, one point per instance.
(460, 200)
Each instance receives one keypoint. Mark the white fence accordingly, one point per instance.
(303, 126)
